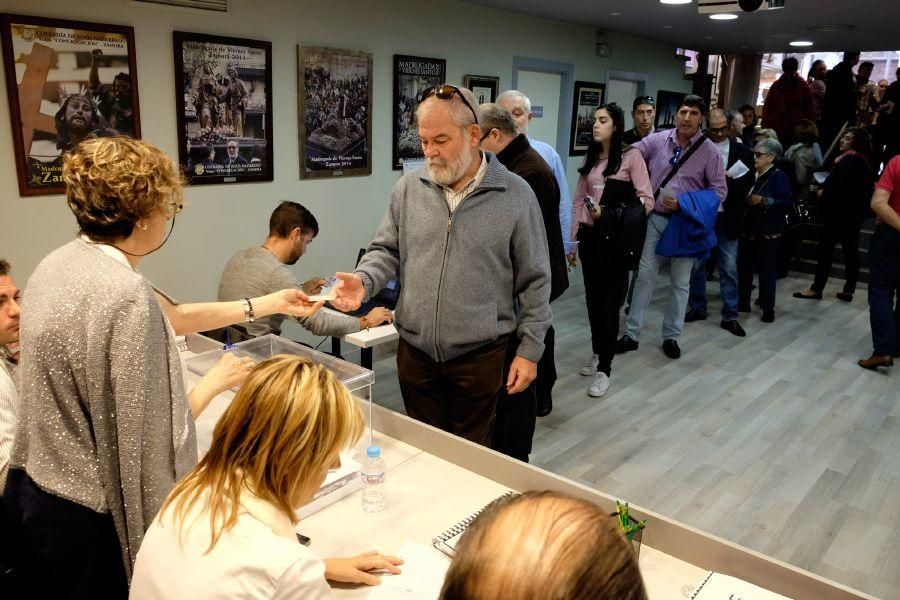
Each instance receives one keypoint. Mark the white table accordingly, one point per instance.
(365, 339)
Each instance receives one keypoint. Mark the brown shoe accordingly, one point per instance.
(873, 362)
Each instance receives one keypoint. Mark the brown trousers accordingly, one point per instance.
(460, 395)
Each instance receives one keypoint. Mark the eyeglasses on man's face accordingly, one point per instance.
(718, 130)
(446, 92)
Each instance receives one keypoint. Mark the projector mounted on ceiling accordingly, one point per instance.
(709, 7)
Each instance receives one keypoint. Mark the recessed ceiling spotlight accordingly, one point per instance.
(615, 14)
(675, 1)
(832, 28)
(801, 43)
(667, 27)
(723, 17)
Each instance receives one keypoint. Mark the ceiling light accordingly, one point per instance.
(723, 17)
(801, 43)
(615, 14)
(676, 1)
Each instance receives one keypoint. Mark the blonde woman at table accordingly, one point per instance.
(227, 529)
(543, 545)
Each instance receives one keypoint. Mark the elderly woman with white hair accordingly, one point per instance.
(764, 225)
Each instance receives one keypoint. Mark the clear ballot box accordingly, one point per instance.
(199, 360)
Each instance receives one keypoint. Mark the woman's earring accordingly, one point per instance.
(144, 227)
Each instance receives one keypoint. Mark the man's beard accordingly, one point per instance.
(444, 173)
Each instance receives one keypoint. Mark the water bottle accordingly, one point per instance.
(372, 473)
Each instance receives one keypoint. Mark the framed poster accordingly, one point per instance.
(485, 88)
(588, 96)
(667, 104)
(66, 80)
(334, 101)
(412, 76)
(223, 99)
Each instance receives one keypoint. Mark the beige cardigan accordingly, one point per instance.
(104, 420)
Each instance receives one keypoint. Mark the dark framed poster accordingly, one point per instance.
(484, 87)
(588, 96)
(334, 101)
(412, 75)
(667, 104)
(66, 80)
(223, 99)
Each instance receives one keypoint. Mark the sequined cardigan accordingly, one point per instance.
(104, 420)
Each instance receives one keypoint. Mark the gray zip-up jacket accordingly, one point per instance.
(467, 277)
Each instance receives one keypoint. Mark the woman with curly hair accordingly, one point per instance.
(106, 427)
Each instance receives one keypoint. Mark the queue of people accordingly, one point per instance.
(103, 486)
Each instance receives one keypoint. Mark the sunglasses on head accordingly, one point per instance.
(446, 92)
(644, 100)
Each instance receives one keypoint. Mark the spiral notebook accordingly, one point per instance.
(446, 541)
(717, 586)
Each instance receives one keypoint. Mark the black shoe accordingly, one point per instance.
(544, 407)
(694, 315)
(733, 327)
(844, 296)
(814, 296)
(671, 349)
(625, 344)
(768, 316)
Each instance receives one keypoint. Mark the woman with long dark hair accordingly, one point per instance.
(612, 175)
(845, 205)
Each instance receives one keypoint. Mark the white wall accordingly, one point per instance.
(220, 219)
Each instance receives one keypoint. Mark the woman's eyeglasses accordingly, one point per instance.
(446, 92)
(760, 154)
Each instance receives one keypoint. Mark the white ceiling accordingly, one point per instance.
(877, 23)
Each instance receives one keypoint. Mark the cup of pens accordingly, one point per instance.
(630, 527)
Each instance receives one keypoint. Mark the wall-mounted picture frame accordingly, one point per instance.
(65, 80)
(334, 102)
(223, 101)
(587, 97)
(667, 104)
(412, 76)
(484, 87)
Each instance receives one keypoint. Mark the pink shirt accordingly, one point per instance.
(633, 169)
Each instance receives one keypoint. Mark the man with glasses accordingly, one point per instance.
(643, 113)
(261, 270)
(466, 239)
(515, 422)
(519, 106)
(701, 169)
(728, 225)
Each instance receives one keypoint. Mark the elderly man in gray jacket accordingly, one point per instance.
(466, 239)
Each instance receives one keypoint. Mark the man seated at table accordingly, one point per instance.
(543, 545)
(261, 270)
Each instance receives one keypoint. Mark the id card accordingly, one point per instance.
(328, 291)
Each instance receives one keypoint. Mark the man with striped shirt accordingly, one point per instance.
(700, 170)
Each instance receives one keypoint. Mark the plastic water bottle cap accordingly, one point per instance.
(373, 451)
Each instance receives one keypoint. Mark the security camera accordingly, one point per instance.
(749, 5)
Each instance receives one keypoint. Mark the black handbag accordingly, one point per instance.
(623, 221)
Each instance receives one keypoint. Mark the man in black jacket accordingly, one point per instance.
(839, 106)
(728, 226)
(514, 426)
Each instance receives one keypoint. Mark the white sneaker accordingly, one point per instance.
(600, 385)
(591, 367)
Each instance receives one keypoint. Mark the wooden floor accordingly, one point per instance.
(777, 441)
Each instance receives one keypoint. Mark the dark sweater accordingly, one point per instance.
(847, 191)
(768, 218)
(523, 160)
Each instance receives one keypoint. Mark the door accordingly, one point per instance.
(543, 89)
(622, 92)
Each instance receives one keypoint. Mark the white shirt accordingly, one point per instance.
(259, 557)
(9, 409)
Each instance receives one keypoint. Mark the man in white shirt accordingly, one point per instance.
(519, 105)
